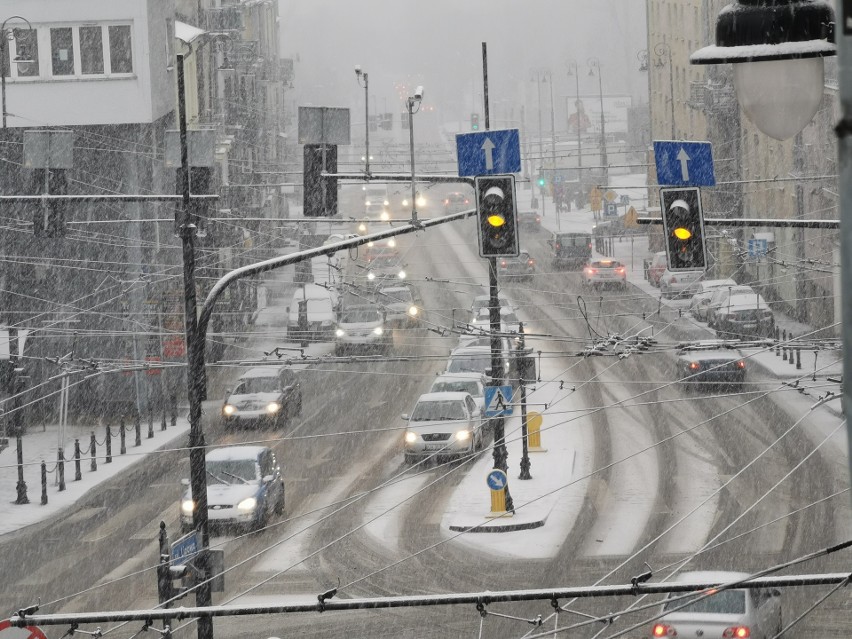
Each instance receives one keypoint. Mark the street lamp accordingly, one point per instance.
(411, 101)
(359, 74)
(538, 76)
(662, 50)
(573, 70)
(594, 63)
(7, 36)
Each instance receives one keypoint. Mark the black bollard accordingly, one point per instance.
(798, 358)
(60, 468)
(43, 483)
(150, 422)
(777, 342)
(93, 444)
(174, 410)
(78, 472)
(792, 359)
(138, 426)
(163, 425)
(784, 347)
(108, 445)
(122, 436)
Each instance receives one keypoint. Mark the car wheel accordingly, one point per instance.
(298, 410)
(279, 505)
(261, 520)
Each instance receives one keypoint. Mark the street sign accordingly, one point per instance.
(8, 631)
(611, 209)
(684, 163)
(757, 248)
(323, 125)
(595, 199)
(610, 195)
(498, 401)
(496, 480)
(489, 152)
(631, 217)
(183, 550)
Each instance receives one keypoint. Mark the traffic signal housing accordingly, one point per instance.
(474, 122)
(313, 181)
(497, 213)
(683, 225)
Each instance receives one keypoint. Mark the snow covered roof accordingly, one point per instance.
(187, 33)
(261, 371)
(234, 452)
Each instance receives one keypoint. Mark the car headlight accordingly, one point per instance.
(367, 202)
(421, 201)
(273, 407)
(340, 332)
(405, 202)
(249, 503)
(229, 409)
(402, 275)
(385, 216)
(378, 330)
(362, 227)
(463, 435)
(387, 203)
(187, 506)
(410, 437)
(392, 243)
(413, 311)
(370, 244)
(371, 276)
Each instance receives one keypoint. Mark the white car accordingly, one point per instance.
(701, 299)
(471, 383)
(509, 322)
(605, 272)
(401, 304)
(679, 284)
(362, 328)
(477, 359)
(484, 301)
(442, 425)
(731, 296)
(735, 612)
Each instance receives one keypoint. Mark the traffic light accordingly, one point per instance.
(541, 181)
(474, 122)
(683, 225)
(312, 181)
(497, 212)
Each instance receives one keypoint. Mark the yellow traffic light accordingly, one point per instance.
(682, 233)
(496, 220)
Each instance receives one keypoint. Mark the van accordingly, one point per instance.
(571, 249)
(320, 314)
(377, 202)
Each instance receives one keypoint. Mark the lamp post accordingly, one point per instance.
(411, 102)
(573, 70)
(363, 74)
(594, 63)
(662, 49)
(777, 52)
(7, 36)
(538, 76)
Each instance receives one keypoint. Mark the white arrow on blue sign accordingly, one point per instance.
(489, 152)
(681, 163)
(497, 479)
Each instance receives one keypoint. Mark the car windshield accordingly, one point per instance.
(360, 315)
(402, 295)
(470, 363)
(730, 602)
(457, 387)
(573, 240)
(231, 471)
(257, 385)
(384, 261)
(438, 410)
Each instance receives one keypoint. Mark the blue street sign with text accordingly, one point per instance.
(489, 152)
(184, 549)
(684, 163)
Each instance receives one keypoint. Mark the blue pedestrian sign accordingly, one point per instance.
(498, 401)
(757, 247)
(497, 479)
(184, 549)
(684, 163)
(489, 152)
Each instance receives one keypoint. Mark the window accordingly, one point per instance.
(120, 55)
(91, 50)
(26, 48)
(62, 51)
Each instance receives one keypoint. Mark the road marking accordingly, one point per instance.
(151, 530)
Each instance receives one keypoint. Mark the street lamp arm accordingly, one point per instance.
(3, 26)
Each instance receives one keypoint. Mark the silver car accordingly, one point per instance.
(362, 328)
(736, 612)
(442, 425)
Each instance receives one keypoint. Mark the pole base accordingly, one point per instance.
(498, 514)
(536, 449)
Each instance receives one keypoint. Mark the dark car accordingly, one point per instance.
(456, 200)
(707, 364)
(571, 249)
(529, 220)
(739, 322)
(521, 267)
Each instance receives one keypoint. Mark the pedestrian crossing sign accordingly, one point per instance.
(498, 401)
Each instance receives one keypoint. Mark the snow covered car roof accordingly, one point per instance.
(442, 397)
(262, 371)
(234, 452)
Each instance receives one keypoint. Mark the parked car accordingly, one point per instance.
(319, 308)
(656, 267)
(707, 363)
(402, 305)
(605, 273)
(443, 425)
(701, 299)
(530, 220)
(680, 284)
(521, 267)
(735, 612)
(727, 296)
(245, 486)
(361, 328)
(263, 395)
(744, 321)
(570, 249)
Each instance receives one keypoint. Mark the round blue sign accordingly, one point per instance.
(497, 479)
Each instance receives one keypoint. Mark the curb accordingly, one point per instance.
(498, 529)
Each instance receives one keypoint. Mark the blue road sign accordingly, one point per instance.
(684, 163)
(610, 209)
(489, 152)
(497, 479)
(184, 549)
(498, 401)
(757, 247)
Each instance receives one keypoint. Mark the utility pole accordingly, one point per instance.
(522, 368)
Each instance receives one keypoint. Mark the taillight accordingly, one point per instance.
(503, 263)
(741, 364)
(446, 201)
(558, 245)
(590, 245)
(694, 366)
(619, 270)
(467, 201)
(591, 271)
(662, 630)
(673, 280)
(738, 632)
(531, 262)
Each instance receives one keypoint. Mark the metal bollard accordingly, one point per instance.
(93, 444)
(60, 468)
(777, 342)
(137, 423)
(792, 359)
(784, 347)
(798, 358)
(78, 472)
(174, 410)
(122, 436)
(108, 443)
(150, 422)
(43, 483)
(163, 425)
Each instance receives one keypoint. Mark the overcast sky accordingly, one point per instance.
(437, 44)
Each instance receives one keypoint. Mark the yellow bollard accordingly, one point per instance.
(498, 482)
(534, 421)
